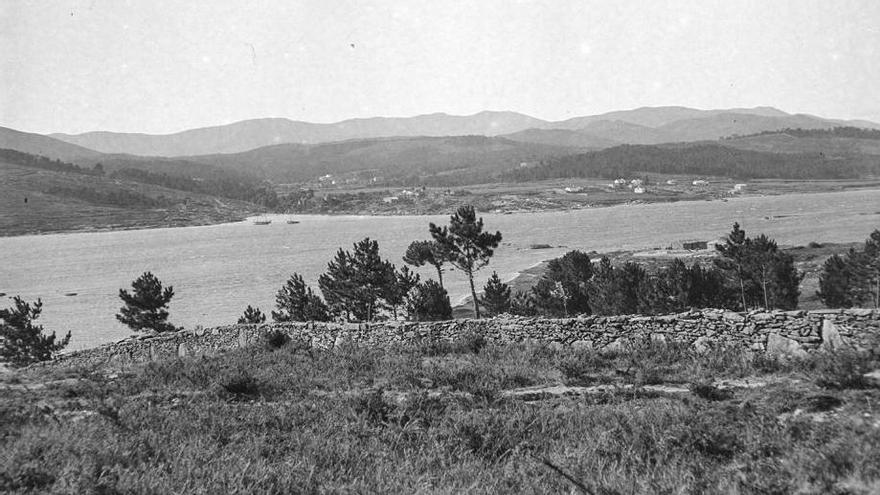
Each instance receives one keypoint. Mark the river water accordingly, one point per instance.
(218, 270)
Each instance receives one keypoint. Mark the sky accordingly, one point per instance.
(159, 66)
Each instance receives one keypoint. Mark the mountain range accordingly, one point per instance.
(649, 125)
(437, 145)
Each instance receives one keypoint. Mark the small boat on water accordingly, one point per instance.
(292, 221)
(262, 221)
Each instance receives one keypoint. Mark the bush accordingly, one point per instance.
(429, 301)
(843, 369)
(276, 339)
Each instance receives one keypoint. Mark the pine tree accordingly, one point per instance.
(631, 278)
(562, 291)
(21, 341)
(428, 301)
(496, 296)
(252, 316)
(338, 285)
(603, 289)
(733, 259)
(296, 302)
(405, 280)
(146, 307)
(421, 253)
(358, 284)
(468, 247)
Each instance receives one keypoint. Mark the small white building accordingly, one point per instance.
(619, 182)
(739, 187)
(671, 182)
(701, 182)
(639, 189)
(390, 199)
(635, 182)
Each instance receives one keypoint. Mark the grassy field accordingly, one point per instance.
(460, 417)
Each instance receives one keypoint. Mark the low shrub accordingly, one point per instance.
(843, 369)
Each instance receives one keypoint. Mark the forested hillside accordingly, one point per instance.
(701, 159)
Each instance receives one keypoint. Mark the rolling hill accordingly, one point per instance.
(388, 157)
(252, 134)
(38, 144)
(36, 199)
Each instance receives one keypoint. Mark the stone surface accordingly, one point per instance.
(784, 346)
(831, 339)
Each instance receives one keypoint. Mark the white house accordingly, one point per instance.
(639, 190)
(739, 187)
(701, 182)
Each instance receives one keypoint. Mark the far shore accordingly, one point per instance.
(41, 228)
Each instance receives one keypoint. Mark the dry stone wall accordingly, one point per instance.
(785, 332)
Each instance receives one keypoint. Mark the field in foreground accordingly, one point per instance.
(280, 418)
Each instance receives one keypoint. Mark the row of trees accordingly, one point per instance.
(361, 286)
(748, 273)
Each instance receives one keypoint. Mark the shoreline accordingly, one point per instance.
(5, 233)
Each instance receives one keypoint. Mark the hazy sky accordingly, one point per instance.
(163, 66)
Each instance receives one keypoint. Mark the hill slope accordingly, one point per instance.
(390, 157)
(37, 200)
(37, 144)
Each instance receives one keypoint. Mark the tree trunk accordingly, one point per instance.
(764, 286)
(474, 295)
(440, 275)
(742, 287)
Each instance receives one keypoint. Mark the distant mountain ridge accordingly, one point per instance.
(647, 125)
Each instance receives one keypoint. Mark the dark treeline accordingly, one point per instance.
(701, 159)
(749, 273)
(840, 132)
(227, 186)
(854, 278)
(121, 198)
(39, 161)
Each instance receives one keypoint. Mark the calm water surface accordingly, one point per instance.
(218, 270)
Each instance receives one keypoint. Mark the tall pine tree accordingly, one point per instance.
(468, 247)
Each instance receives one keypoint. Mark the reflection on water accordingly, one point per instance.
(218, 270)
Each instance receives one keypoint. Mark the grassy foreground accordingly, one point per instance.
(462, 417)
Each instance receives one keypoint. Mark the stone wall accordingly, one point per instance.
(787, 332)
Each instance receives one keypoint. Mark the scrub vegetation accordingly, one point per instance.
(463, 416)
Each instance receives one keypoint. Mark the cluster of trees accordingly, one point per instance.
(121, 198)
(841, 132)
(749, 273)
(697, 159)
(854, 278)
(39, 161)
(361, 286)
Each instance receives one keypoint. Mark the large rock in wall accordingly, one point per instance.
(782, 332)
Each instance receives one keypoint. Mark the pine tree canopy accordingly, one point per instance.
(146, 306)
(21, 341)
